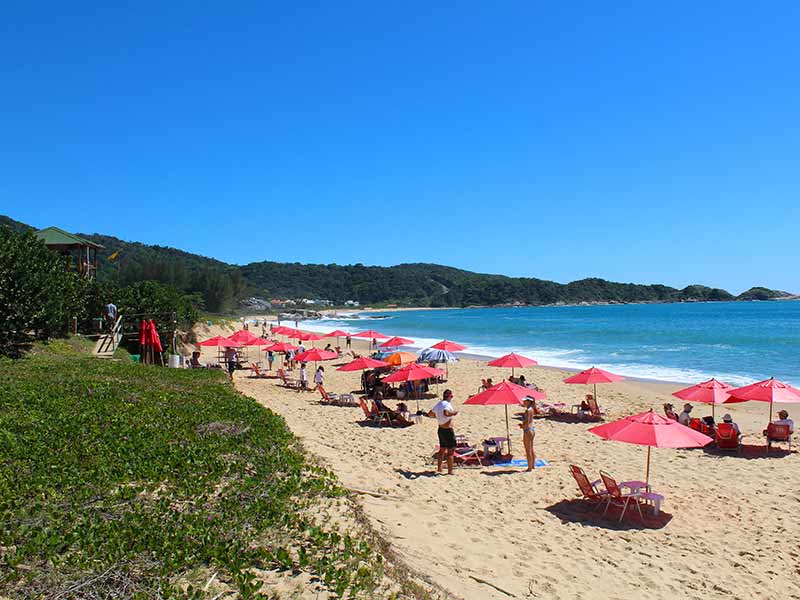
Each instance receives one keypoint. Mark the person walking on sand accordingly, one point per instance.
(528, 432)
(348, 343)
(303, 376)
(444, 413)
(270, 359)
(318, 376)
(230, 359)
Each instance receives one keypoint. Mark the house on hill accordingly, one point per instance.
(79, 253)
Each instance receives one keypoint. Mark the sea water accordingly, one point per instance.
(737, 342)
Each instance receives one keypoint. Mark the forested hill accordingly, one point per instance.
(218, 286)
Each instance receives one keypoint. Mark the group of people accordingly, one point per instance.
(444, 413)
(685, 418)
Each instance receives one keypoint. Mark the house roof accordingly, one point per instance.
(53, 236)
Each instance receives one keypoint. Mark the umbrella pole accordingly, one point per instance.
(508, 432)
(595, 394)
(647, 470)
(770, 411)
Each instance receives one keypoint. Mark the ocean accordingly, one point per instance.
(737, 342)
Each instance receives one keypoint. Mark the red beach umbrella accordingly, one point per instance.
(514, 361)
(711, 392)
(315, 355)
(395, 342)
(282, 330)
(652, 430)
(594, 376)
(281, 347)
(142, 332)
(449, 346)
(370, 334)
(362, 363)
(155, 340)
(337, 333)
(505, 393)
(770, 390)
(243, 336)
(219, 342)
(260, 342)
(413, 372)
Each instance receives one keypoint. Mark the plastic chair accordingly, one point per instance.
(617, 498)
(588, 489)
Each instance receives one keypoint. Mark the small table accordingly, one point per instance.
(656, 499)
(635, 486)
(499, 441)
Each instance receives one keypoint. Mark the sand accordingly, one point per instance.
(729, 526)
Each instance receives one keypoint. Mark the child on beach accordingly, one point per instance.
(303, 376)
(528, 432)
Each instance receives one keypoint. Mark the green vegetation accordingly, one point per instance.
(217, 287)
(120, 480)
(37, 294)
(762, 293)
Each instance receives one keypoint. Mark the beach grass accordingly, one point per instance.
(119, 480)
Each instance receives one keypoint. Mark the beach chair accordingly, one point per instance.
(727, 438)
(617, 498)
(374, 415)
(289, 383)
(335, 399)
(588, 489)
(465, 455)
(778, 433)
(257, 374)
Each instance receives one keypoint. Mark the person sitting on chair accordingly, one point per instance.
(669, 411)
(727, 418)
(685, 416)
(783, 419)
(194, 363)
(396, 417)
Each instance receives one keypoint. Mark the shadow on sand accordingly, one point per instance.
(749, 452)
(579, 511)
(417, 474)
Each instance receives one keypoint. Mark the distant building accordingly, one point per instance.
(79, 253)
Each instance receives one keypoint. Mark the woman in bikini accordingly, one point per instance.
(528, 431)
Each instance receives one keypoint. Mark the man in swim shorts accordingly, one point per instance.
(444, 413)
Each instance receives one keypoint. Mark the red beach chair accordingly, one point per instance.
(617, 498)
(289, 383)
(727, 438)
(778, 433)
(588, 488)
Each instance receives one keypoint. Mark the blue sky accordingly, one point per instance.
(627, 141)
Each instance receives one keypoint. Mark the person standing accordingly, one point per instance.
(348, 343)
(231, 358)
(110, 313)
(528, 432)
(303, 376)
(444, 413)
(318, 376)
(270, 359)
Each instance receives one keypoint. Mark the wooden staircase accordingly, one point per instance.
(108, 343)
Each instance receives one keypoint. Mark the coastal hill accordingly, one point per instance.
(221, 286)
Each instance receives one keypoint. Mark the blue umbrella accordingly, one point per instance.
(436, 356)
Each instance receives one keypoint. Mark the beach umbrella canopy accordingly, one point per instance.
(362, 363)
(316, 355)
(505, 393)
(396, 341)
(282, 330)
(259, 341)
(770, 390)
(652, 430)
(280, 347)
(436, 356)
(594, 376)
(413, 372)
(449, 346)
(401, 358)
(711, 392)
(143, 332)
(370, 334)
(243, 336)
(513, 361)
(219, 341)
(336, 333)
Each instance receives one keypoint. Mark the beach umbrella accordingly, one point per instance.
(396, 341)
(652, 430)
(316, 355)
(413, 372)
(362, 363)
(449, 346)
(435, 355)
(711, 392)
(594, 376)
(282, 330)
(505, 393)
(337, 333)
(244, 336)
(155, 339)
(280, 347)
(514, 361)
(309, 337)
(770, 390)
(142, 341)
(370, 335)
(219, 341)
(401, 358)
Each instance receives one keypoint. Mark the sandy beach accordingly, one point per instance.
(728, 527)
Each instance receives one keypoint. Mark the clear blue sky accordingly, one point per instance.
(641, 141)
